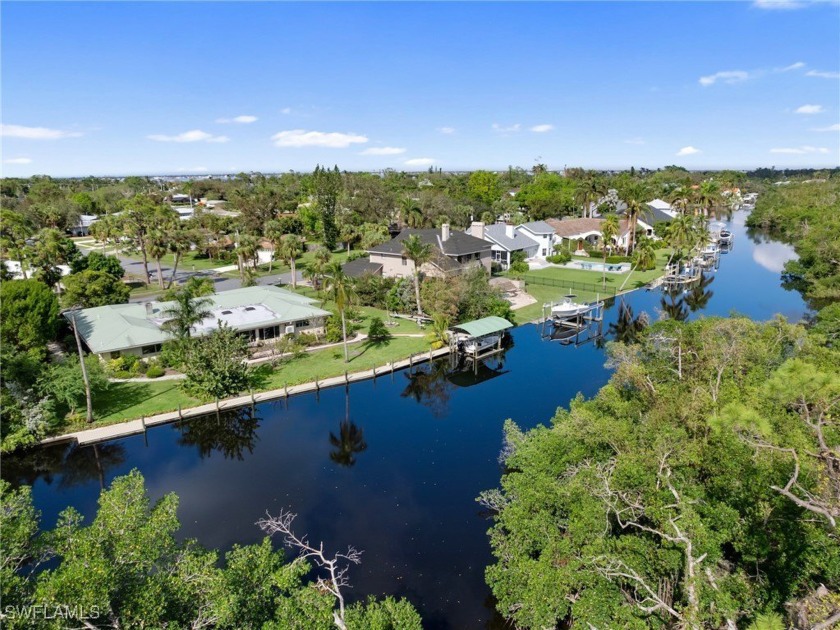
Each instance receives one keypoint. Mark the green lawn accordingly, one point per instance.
(127, 401)
(330, 362)
(545, 294)
(280, 266)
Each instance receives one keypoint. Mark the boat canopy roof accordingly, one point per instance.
(484, 326)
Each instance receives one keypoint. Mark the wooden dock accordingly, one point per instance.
(133, 427)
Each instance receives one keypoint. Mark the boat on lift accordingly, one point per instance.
(568, 308)
(480, 344)
(725, 237)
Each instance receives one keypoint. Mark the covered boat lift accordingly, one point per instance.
(479, 338)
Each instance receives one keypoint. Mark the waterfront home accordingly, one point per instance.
(504, 241)
(543, 234)
(452, 253)
(261, 314)
(576, 232)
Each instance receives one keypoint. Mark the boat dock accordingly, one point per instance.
(134, 427)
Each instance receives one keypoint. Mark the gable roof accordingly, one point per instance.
(497, 233)
(458, 243)
(537, 227)
(359, 267)
(122, 326)
(569, 228)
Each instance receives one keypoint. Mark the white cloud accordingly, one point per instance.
(20, 160)
(778, 4)
(810, 109)
(298, 138)
(634, 141)
(800, 150)
(383, 151)
(286, 110)
(446, 130)
(834, 127)
(193, 169)
(241, 120)
(419, 162)
(793, 66)
(689, 150)
(194, 135)
(727, 76)
(542, 128)
(36, 133)
(511, 129)
(822, 75)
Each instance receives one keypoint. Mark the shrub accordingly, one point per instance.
(520, 266)
(377, 331)
(155, 371)
(560, 258)
(307, 339)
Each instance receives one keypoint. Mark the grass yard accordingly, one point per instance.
(127, 401)
(545, 294)
(330, 362)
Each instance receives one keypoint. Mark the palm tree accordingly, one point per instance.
(188, 308)
(246, 249)
(709, 195)
(273, 231)
(635, 194)
(410, 212)
(180, 243)
(589, 190)
(417, 252)
(317, 266)
(681, 233)
(291, 246)
(682, 198)
(645, 254)
(438, 337)
(609, 230)
(340, 290)
(158, 247)
(88, 397)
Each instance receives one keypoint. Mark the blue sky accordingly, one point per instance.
(181, 88)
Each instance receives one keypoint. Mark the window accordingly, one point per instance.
(404, 261)
(543, 251)
(271, 332)
(302, 323)
(152, 349)
(115, 355)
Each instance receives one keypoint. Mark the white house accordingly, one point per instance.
(504, 240)
(541, 233)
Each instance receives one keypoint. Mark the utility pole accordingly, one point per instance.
(88, 399)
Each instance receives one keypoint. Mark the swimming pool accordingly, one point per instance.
(599, 266)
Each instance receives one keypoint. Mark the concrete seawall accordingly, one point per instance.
(139, 425)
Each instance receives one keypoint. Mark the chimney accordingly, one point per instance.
(150, 310)
(477, 229)
(510, 230)
(444, 232)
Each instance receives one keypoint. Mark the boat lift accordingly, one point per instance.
(573, 326)
(478, 339)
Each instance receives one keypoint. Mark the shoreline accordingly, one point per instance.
(139, 425)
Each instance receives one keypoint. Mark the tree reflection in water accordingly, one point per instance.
(674, 307)
(231, 433)
(350, 439)
(698, 296)
(429, 387)
(73, 464)
(627, 327)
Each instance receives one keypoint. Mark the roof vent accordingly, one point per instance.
(250, 308)
(227, 312)
(150, 310)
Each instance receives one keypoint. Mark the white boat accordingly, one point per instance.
(474, 346)
(568, 308)
(711, 250)
(725, 237)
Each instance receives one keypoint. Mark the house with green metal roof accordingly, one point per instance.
(262, 314)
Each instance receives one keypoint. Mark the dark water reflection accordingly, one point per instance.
(391, 466)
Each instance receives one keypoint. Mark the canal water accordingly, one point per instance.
(390, 466)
